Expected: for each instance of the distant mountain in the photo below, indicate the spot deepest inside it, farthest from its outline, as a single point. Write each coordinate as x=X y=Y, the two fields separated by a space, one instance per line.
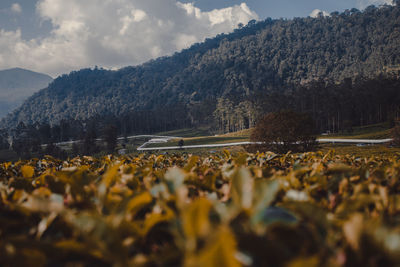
x=227 y=80
x=16 y=85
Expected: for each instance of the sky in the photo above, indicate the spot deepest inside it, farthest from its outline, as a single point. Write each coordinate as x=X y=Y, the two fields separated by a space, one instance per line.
x=58 y=36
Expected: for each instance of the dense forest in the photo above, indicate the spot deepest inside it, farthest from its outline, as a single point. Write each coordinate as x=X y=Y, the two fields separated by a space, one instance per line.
x=343 y=69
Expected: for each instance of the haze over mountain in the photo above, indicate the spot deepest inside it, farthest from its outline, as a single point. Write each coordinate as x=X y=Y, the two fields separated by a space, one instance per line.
x=17 y=84
x=224 y=77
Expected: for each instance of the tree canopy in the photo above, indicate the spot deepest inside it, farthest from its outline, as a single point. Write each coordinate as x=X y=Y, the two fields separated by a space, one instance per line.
x=284 y=131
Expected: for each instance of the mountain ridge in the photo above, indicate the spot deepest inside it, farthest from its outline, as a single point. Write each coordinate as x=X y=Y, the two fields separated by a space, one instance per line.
x=17 y=84
x=259 y=59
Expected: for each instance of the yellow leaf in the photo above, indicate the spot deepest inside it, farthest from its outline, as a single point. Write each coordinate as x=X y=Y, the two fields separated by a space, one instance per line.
x=191 y=163
x=159 y=158
x=353 y=229
x=71 y=245
x=227 y=154
x=45 y=223
x=242 y=188
x=156 y=218
x=220 y=251
x=78 y=247
x=309 y=262
x=19 y=195
x=339 y=168
x=138 y=202
x=42 y=192
x=6 y=165
x=27 y=171
x=383 y=193
x=195 y=218
x=111 y=175
x=241 y=159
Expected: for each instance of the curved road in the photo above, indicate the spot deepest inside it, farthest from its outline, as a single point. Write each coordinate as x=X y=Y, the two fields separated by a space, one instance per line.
x=322 y=140
x=122 y=138
x=163 y=139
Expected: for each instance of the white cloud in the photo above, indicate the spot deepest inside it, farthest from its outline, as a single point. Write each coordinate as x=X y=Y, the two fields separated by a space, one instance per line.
x=114 y=33
x=362 y=4
x=16 y=8
x=317 y=12
x=136 y=15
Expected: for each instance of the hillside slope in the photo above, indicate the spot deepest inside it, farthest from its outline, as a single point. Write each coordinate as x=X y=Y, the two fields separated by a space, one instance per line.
x=16 y=85
x=258 y=59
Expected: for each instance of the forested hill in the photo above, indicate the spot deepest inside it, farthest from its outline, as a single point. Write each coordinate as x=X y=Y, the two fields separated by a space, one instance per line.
x=225 y=76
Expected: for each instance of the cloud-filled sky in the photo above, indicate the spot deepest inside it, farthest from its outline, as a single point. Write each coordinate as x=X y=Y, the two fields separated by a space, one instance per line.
x=57 y=36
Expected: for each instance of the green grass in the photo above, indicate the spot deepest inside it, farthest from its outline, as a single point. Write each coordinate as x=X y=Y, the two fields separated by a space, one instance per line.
x=197 y=151
x=374 y=131
x=201 y=137
x=244 y=133
x=202 y=141
x=189 y=132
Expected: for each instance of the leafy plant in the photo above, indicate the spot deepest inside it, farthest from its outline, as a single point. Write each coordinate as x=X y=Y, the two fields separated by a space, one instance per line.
x=221 y=210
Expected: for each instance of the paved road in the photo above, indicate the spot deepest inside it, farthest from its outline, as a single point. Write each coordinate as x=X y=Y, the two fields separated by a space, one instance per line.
x=163 y=139
x=167 y=138
x=142 y=148
x=355 y=141
x=322 y=140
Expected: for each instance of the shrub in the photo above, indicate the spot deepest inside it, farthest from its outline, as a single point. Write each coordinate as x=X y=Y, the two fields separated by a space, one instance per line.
x=395 y=133
x=284 y=131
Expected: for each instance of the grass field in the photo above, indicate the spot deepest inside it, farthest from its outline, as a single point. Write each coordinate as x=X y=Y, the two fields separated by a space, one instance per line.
x=201 y=141
x=202 y=137
x=375 y=131
x=190 y=132
x=243 y=134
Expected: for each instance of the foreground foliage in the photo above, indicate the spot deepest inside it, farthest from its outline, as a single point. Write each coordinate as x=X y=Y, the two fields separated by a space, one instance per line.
x=221 y=210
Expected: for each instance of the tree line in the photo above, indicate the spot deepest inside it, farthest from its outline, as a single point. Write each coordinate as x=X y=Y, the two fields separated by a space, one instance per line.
x=334 y=106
